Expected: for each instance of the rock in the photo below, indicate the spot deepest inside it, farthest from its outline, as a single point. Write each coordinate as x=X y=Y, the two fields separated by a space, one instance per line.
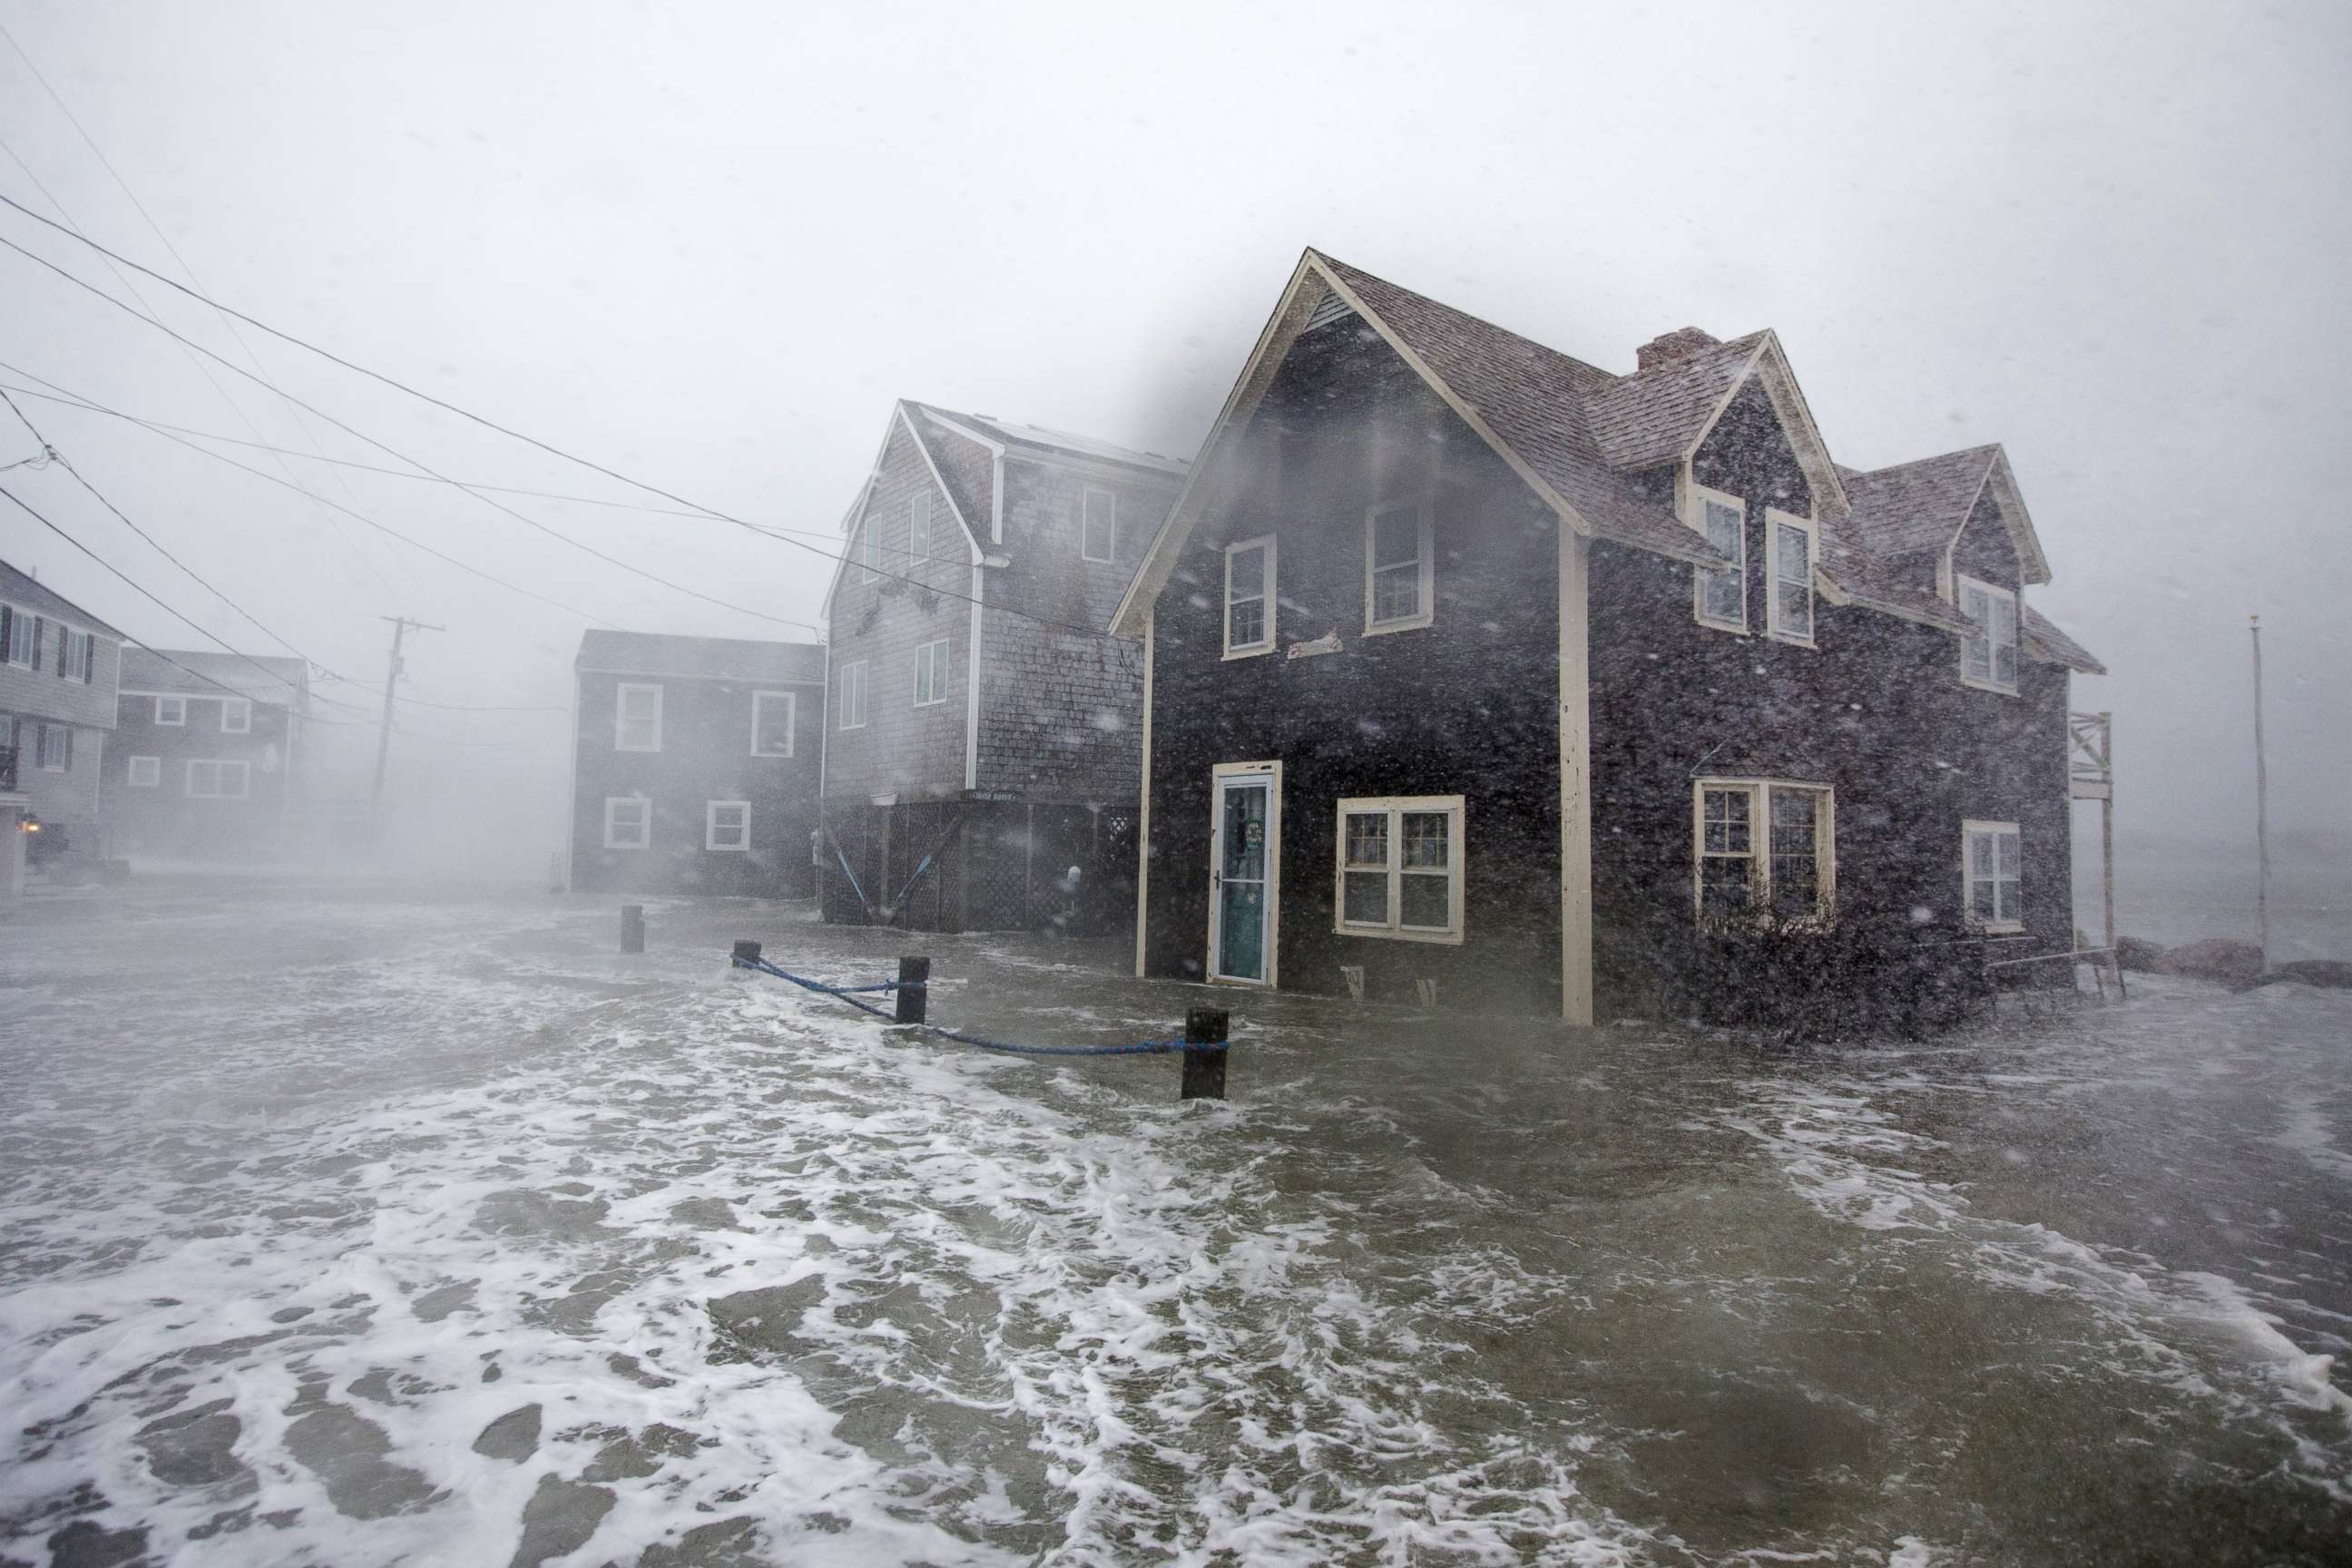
x=2221 y=958
x=2138 y=954
x=2332 y=973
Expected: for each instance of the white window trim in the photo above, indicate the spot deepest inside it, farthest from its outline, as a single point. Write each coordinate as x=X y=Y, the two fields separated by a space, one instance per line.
x=792 y=702
x=1759 y=840
x=1397 y=806
x=19 y=620
x=1264 y=644
x=645 y=821
x=1775 y=520
x=1428 y=568
x=41 y=747
x=1961 y=584
x=178 y=711
x=710 y=810
x=935 y=653
x=1699 y=496
x=1969 y=831
x=150 y=777
x=1086 y=494
x=221 y=766
x=841 y=698
x=242 y=709
x=620 y=711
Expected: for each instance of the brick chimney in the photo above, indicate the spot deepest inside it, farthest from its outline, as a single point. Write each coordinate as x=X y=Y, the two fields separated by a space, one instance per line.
x=1678 y=345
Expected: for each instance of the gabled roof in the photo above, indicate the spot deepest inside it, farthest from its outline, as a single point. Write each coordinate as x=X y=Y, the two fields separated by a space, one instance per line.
x=1039 y=438
x=1922 y=505
x=2041 y=639
x=1657 y=415
x=272 y=682
x=700 y=658
x=22 y=588
x=1853 y=575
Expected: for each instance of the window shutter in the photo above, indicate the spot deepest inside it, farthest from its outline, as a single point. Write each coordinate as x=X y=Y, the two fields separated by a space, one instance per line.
x=7 y=625
x=68 y=748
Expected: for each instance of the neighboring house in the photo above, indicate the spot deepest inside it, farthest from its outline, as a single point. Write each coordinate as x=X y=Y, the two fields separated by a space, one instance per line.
x=58 y=665
x=1473 y=664
x=982 y=740
x=206 y=757
x=695 y=764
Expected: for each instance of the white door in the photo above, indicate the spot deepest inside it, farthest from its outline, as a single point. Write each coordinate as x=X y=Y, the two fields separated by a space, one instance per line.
x=1244 y=876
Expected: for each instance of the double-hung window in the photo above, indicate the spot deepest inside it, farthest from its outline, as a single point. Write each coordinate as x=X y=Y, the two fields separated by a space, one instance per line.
x=57 y=748
x=1723 y=595
x=628 y=821
x=146 y=772
x=1762 y=844
x=1790 y=616
x=931 y=673
x=1991 y=864
x=1399 y=867
x=1989 y=654
x=1098 y=525
x=1249 y=597
x=773 y=715
x=852 y=702
x=1399 y=566
x=637 y=718
x=727 y=824
x=210 y=780
x=77 y=654
x=918 y=528
x=236 y=716
x=170 y=711
x=18 y=636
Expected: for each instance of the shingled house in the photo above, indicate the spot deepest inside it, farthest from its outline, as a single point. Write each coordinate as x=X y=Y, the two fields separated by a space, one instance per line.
x=982 y=766
x=1474 y=665
x=57 y=664
x=207 y=748
x=695 y=764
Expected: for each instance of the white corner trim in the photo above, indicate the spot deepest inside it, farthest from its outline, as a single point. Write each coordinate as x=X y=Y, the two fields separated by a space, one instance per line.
x=1143 y=821
x=971 y=675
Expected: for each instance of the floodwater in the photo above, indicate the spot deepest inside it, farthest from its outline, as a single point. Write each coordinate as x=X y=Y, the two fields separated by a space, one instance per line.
x=342 y=1227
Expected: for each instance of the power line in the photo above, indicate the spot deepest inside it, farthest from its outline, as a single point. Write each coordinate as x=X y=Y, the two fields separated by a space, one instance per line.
x=503 y=430
x=70 y=399
x=526 y=521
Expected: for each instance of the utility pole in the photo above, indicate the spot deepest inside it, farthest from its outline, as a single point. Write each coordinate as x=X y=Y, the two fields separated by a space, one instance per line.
x=400 y=626
x=2262 y=810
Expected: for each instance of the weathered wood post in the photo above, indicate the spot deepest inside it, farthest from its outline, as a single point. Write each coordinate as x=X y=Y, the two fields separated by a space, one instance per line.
x=633 y=928
x=1204 y=1053
x=746 y=952
x=914 y=992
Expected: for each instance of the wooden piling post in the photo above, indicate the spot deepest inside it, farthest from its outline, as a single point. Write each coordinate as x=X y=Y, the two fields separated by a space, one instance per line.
x=633 y=928
x=746 y=952
x=1204 y=1069
x=914 y=992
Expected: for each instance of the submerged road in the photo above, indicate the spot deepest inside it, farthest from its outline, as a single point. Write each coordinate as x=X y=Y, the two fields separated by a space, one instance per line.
x=342 y=1226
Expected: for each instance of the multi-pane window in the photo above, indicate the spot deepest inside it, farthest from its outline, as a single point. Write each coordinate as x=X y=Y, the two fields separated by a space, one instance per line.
x=218 y=780
x=1401 y=868
x=1993 y=864
x=773 y=714
x=1761 y=844
x=146 y=772
x=637 y=718
x=853 y=695
x=1399 y=563
x=236 y=716
x=1723 y=595
x=1791 y=610
x=918 y=527
x=1098 y=525
x=727 y=824
x=56 y=743
x=1249 y=596
x=170 y=710
x=629 y=822
x=931 y=673
x=1989 y=654
x=19 y=633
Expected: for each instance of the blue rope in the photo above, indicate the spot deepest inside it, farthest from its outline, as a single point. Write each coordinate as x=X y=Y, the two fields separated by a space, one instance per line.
x=848 y=994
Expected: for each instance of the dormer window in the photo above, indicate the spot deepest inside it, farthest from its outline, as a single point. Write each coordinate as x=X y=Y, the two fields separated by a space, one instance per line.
x=1989 y=654
x=1722 y=596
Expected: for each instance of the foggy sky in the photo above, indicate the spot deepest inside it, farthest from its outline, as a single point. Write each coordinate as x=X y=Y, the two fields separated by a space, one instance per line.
x=710 y=248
